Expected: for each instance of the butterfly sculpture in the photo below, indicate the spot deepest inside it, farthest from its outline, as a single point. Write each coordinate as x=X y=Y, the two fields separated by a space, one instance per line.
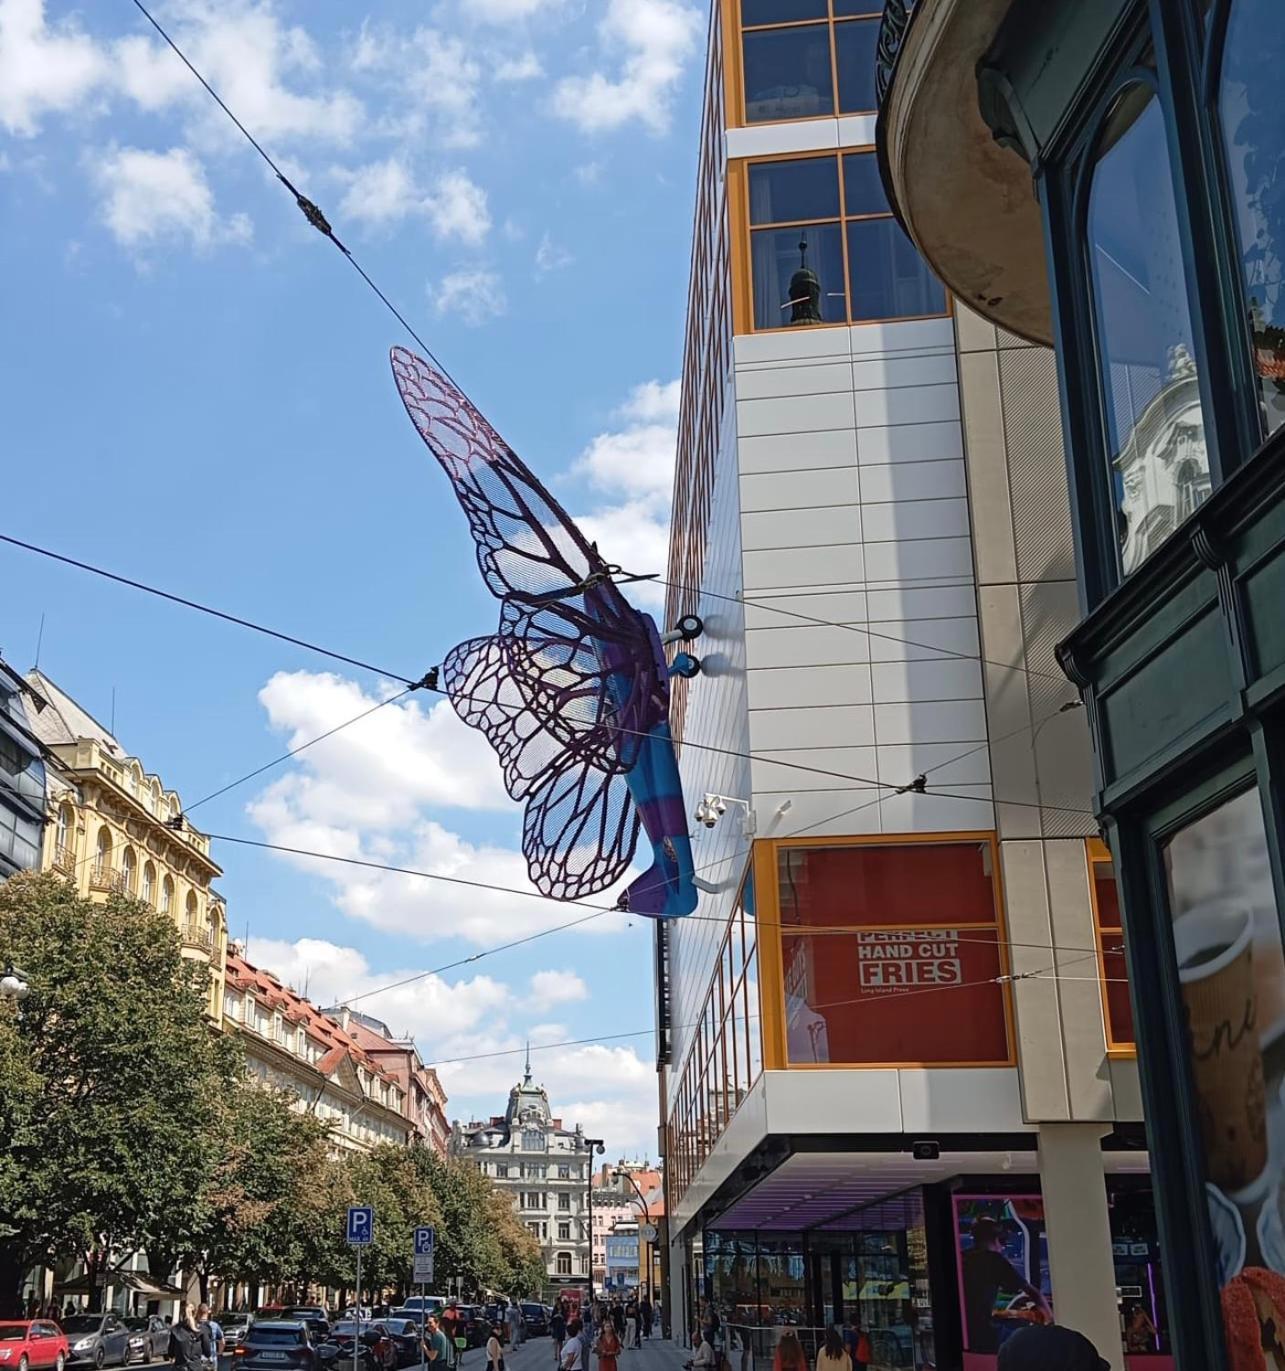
x=572 y=691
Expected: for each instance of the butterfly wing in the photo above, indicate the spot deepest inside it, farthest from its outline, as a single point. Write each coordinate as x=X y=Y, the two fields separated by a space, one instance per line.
x=527 y=547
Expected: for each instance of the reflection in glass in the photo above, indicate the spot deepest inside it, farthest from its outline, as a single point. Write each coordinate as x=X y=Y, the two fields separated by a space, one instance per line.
x=787 y=73
x=889 y=278
x=854 y=51
x=777 y=256
x=781 y=11
x=1253 y=126
x=1155 y=428
x=863 y=191
x=1231 y=974
x=788 y=192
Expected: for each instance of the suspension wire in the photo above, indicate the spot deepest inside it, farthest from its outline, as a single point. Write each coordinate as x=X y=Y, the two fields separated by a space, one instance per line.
x=310 y=210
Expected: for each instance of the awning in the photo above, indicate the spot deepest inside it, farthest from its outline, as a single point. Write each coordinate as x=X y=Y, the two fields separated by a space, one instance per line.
x=130 y=1280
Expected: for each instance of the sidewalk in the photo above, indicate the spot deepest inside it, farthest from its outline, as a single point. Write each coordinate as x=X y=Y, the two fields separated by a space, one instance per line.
x=536 y=1354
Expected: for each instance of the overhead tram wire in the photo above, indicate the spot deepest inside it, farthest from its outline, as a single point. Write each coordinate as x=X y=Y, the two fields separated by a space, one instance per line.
x=429 y=681
x=310 y=210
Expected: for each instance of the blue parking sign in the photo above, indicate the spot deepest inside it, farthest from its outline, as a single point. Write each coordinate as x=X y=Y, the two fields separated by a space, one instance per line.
x=361 y=1224
x=425 y=1240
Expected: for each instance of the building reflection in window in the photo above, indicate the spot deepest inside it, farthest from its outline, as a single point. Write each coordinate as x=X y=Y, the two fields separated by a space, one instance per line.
x=1155 y=426
x=1253 y=128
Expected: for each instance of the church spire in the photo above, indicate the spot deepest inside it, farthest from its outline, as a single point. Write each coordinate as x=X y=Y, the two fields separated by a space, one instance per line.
x=526 y=1080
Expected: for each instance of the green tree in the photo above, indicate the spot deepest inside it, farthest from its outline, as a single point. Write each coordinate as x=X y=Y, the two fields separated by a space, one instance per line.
x=113 y=1079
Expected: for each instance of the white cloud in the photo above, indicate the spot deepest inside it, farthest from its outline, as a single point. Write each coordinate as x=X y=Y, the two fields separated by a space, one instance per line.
x=635 y=464
x=457 y=208
x=254 y=61
x=506 y=11
x=648 y=42
x=44 y=68
x=149 y=198
x=473 y=294
x=556 y=987
x=438 y=77
x=551 y=256
x=380 y=193
x=523 y=68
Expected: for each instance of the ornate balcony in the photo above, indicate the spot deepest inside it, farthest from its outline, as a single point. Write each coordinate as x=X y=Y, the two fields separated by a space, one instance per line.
x=196 y=937
x=106 y=878
x=892 y=29
x=64 y=860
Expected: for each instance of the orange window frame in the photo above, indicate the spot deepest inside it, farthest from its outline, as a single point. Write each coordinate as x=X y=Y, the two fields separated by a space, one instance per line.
x=772 y=933
x=1097 y=853
x=733 y=38
x=738 y=209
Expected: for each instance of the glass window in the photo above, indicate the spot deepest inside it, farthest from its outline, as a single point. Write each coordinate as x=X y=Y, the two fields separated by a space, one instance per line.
x=801 y=190
x=787 y=73
x=798 y=276
x=1110 y=934
x=780 y=11
x=1154 y=424
x=863 y=191
x=849 y=7
x=854 y=52
x=1253 y=130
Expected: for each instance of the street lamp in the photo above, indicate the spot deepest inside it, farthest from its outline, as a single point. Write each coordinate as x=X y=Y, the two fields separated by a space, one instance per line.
x=13 y=986
x=592 y=1144
x=645 y=1247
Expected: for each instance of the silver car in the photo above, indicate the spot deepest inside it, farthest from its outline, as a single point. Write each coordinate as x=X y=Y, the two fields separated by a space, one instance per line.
x=96 y=1339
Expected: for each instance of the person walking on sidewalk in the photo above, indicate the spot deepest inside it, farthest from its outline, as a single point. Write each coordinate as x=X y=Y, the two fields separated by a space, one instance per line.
x=572 y=1358
x=833 y=1355
x=608 y=1348
x=189 y=1345
x=631 y=1324
x=494 y=1353
x=217 y=1341
x=557 y=1331
x=644 y=1313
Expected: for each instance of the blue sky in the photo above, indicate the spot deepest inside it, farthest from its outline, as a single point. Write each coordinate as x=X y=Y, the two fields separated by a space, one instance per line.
x=196 y=394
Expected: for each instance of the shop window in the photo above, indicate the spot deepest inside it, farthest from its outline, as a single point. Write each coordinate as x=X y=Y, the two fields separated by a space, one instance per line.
x=1105 y=896
x=897 y=955
x=1253 y=132
x=1231 y=979
x=826 y=250
x=1159 y=467
x=805 y=59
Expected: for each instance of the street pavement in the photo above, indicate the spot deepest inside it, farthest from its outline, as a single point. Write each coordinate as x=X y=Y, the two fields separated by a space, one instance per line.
x=536 y=1354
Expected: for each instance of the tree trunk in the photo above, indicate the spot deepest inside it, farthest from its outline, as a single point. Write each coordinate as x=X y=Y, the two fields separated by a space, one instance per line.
x=12 y=1269
x=94 y=1260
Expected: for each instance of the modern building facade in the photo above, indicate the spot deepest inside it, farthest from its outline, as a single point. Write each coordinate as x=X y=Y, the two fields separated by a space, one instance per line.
x=546 y=1169
x=895 y=1038
x=1102 y=178
x=423 y=1098
x=293 y=1046
x=22 y=779
x=114 y=827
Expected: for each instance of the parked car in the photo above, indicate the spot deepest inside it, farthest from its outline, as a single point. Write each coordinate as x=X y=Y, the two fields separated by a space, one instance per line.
x=430 y=1304
x=404 y=1336
x=275 y=1344
x=31 y=1343
x=97 y=1339
x=381 y=1349
x=314 y=1315
x=149 y=1337
x=234 y=1327
x=535 y=1319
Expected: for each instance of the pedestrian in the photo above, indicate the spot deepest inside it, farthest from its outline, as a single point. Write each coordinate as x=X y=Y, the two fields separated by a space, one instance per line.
x=218 y=1343
x=514 y=1316
x=618 y=1318
x=557 y=1331
x=190 y=1345
x=1050 y=1347
x=857 y=1343
x=494 y=1353
x=451 y=1329
x=789 y=1354
x=608 y=1348
x=986 y=1271
x=435 y=1345
x=572 y=1358
x=631 y=1324
x=644 y=1311
x=706 y=1359
x=833 y=1355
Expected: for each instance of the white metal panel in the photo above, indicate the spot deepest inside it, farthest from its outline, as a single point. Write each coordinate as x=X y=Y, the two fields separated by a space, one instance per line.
x=834 y=1102
x=934 y=813
x=945 y=679
x=857 y=130
x=913 y=480
x=945 y=721
x=910 y=442
x=792 y=345
x=782 y=770
x=976 y=1100
x=800 y=489
x=918 y=559
x=946 y=764
x=895 y=522
x=814 y=378
x=821 y=813
x=764 y=610
x=805 y=686
x=804 y=566
x=795 y=414
x=799 y=135
x=906 y=405
x=801 y=528
x=913 y=602
x=799 y=451
x=904 y=369
x=918 y=640
x=901 y=335
x=806 y=645
x=817 y=726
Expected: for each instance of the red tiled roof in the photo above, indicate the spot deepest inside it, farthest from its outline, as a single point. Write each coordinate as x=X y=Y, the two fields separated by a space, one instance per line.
x=321 y=1028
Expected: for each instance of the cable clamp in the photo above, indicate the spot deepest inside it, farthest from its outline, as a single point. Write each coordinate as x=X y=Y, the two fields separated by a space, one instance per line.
x=175 y=824
x=918 y=786
x=428 y=681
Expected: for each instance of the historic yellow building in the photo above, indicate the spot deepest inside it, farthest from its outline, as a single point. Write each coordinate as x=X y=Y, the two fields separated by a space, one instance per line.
x=112 y=827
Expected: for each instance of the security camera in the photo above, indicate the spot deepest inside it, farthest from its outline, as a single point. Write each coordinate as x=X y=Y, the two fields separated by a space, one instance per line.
x=601 y=1148
x=705 y=814
x=720 y=806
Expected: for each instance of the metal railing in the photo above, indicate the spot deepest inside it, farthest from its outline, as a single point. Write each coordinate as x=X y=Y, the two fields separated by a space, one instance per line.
x=195 y=936
x=64 y=858
x=892 y=32
x=753 y=1348
x=104 y=877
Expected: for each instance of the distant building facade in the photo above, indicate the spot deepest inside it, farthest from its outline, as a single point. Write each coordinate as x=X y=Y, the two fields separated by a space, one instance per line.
x=423 y=1098
x=114 y=827
x=292 y=1045
x=545 y=1168
x=22 y=779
